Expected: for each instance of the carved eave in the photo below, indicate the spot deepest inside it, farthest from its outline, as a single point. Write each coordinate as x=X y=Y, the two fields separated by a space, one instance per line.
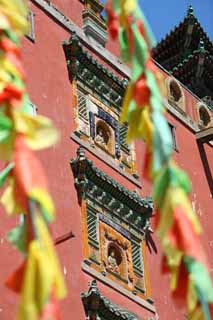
x=82 y=66
x=94 y=184
x=97 y=306
x=196 y=72
x=181 y=41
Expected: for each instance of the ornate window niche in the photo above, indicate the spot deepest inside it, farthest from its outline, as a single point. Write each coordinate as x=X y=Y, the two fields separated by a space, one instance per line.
x=116 y=255
x=98 y=95
x=175 y=94
x=204 y=116
x=104 y=137
x=115 y=224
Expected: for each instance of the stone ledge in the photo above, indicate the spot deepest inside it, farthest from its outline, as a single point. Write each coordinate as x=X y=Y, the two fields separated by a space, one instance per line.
x=105 y=159
x=186 y=120
x=143 y=303
x=69 y=25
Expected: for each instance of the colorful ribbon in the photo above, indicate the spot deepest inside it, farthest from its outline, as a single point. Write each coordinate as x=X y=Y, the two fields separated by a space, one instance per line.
x=177 y=225
x=27 y=191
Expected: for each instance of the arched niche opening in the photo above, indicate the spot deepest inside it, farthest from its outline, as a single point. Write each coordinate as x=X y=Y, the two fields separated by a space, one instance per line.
x=116 y=260
x=103 y=136
x=204 y=116
x=175 y=93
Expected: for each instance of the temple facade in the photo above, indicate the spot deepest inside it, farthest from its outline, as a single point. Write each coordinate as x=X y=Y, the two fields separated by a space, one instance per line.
x=104 y=234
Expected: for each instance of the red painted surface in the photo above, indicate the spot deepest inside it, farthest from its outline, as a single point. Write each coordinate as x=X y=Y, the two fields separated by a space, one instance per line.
x=50 y=90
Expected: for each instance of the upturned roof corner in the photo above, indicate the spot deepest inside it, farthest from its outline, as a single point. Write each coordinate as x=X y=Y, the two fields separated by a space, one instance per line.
x=187 y=53
x=97 y=306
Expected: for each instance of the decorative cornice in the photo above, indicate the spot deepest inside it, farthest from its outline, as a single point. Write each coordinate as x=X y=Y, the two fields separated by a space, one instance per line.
x=93 y=183
x=96 y=305
x=81 y=65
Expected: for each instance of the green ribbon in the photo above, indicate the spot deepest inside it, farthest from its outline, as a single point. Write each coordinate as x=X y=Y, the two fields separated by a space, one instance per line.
x=4 y=173
x=6 y=126
x=18 y=237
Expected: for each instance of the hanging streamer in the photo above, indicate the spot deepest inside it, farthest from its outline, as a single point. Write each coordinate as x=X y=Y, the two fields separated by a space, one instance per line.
x=26 y=193
x=178 y=227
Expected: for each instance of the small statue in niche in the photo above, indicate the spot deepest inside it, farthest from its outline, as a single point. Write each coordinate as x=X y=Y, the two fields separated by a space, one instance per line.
x=101 y=137
x=112 y=262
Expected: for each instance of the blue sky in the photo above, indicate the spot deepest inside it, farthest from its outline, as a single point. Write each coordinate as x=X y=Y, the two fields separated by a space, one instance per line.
x=164 y=15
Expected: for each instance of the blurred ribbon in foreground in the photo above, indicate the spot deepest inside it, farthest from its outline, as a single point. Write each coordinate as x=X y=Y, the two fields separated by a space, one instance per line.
x=38 y=280
x=178 y=227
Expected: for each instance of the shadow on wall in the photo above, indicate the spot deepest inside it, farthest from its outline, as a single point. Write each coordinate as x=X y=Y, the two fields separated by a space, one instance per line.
x=206 y=166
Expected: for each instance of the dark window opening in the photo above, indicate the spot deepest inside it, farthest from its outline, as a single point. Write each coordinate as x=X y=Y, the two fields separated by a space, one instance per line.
x=102 y=133
x=204 y=116
x=31 y=21
x=175 y=91
x=174 y=137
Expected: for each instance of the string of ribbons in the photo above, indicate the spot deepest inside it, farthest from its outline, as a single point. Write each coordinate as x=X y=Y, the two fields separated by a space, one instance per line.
x=143 y=109
x=38 y=280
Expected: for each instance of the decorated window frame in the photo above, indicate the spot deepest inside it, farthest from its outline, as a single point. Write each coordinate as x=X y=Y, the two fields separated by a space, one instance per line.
x=115 y=226
x=97 y=95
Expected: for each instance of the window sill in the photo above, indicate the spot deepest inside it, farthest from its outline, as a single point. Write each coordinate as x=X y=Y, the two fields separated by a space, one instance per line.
x=147 y=304
x=106 y=159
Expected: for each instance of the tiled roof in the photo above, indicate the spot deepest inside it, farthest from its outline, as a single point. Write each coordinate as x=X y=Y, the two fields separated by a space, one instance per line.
x=96 y=305
x=181 y=41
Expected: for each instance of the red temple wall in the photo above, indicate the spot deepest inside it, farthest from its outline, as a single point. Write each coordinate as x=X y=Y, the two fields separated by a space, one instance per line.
x=189 y=159
x=50 y=90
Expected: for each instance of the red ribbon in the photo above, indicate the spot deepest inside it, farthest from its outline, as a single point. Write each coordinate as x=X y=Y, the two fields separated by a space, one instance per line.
x=15 y=280
x=28 y=172
x=113 y=21
x=141 y=92
x=183 y=236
